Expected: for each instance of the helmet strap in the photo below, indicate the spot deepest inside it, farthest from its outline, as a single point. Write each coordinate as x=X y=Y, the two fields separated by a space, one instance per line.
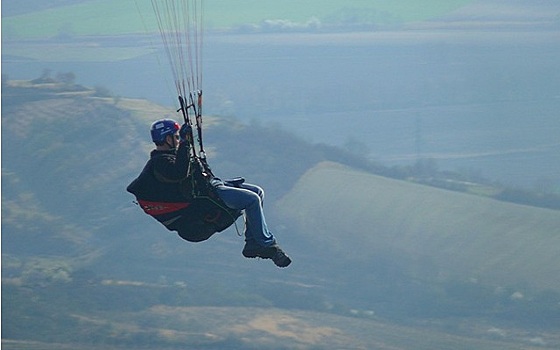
x=171 y=145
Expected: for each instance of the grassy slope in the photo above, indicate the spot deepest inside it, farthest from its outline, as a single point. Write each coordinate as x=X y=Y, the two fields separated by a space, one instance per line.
x=443 y=235
x=107 y=17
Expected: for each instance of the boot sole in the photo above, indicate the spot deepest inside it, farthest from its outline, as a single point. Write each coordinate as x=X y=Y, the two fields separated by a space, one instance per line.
x=283 y=261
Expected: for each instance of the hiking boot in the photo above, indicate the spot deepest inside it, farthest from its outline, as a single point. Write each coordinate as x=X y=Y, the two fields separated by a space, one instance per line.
x=273 y=252
x=280 y=259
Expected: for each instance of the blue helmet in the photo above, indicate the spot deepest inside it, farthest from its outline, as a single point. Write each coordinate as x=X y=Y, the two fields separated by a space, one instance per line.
x=163 y=127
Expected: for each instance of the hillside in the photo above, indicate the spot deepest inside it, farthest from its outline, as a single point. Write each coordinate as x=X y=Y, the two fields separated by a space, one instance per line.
x=438 y=235
x=84 y=268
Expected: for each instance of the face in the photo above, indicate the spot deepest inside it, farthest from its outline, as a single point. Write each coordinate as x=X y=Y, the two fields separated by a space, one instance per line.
x=173 y=140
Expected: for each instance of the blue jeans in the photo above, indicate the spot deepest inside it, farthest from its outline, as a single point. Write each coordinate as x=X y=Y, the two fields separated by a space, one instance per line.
x=249 y=198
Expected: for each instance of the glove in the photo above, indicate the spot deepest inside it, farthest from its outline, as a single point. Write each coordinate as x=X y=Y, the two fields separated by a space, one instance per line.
x=185 y=132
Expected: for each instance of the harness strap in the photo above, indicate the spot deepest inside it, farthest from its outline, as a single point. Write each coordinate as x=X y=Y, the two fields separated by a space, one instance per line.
x=160 y=208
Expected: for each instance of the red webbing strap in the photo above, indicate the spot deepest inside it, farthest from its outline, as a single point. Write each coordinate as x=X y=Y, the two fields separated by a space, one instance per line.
x=160 y=208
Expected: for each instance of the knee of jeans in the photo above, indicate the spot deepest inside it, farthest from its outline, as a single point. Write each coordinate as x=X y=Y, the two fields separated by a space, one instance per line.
x=258 y=198
x=260 y=193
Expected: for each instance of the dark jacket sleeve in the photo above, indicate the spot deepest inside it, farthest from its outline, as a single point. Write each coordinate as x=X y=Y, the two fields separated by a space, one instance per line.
x=173 y=167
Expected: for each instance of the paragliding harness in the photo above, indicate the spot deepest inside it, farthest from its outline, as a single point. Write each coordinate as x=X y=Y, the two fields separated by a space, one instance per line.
x=201 y=212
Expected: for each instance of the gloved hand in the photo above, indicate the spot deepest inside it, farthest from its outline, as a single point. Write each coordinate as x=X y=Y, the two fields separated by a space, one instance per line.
x=185 y=133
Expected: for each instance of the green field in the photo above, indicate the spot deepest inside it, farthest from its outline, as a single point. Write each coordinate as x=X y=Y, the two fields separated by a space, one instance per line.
x=446 y=235
x=107 y=17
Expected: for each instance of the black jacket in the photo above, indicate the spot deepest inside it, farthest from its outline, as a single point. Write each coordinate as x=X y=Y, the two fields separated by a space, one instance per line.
x=163 y=184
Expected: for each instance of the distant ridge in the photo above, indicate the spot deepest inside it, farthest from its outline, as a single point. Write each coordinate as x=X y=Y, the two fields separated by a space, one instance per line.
x=502 y=14
x=441 y=235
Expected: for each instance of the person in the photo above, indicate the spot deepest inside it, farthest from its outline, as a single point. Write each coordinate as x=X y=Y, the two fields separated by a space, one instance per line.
x=164 y=181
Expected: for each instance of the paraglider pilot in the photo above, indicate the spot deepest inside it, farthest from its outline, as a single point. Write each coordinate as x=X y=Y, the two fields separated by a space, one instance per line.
x=160 y=191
